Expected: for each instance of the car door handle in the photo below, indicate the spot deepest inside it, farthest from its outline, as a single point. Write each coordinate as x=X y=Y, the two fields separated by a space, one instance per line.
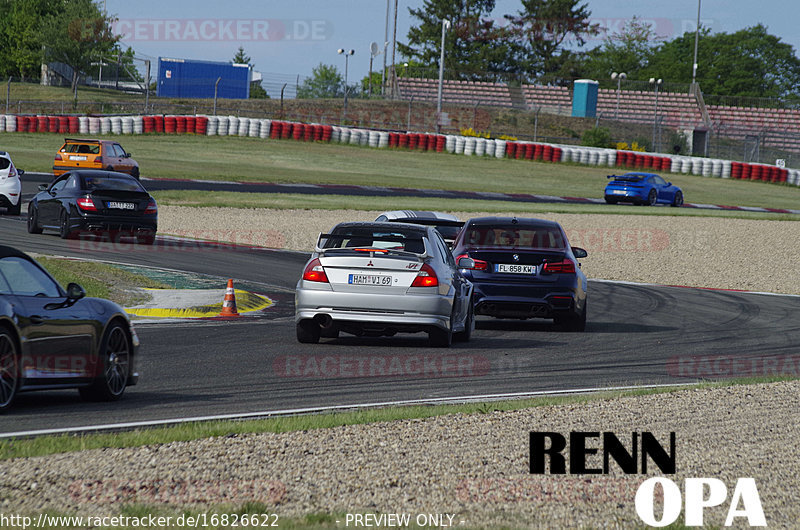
x=36 y=319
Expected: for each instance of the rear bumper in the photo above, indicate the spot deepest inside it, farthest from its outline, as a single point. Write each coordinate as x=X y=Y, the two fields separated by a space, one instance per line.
x=533 y=302
x=135 y=225
x=9 y=200
x=410 y=312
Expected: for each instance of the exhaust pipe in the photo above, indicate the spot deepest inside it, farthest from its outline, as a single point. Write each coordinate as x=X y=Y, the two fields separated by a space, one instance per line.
x=324 y=321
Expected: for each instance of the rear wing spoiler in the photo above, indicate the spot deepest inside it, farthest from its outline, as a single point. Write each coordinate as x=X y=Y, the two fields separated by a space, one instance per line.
x=322 y=238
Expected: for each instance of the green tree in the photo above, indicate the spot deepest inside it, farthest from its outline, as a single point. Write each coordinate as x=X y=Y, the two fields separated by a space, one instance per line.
x=630 y=51
x=542 y=28
x=376 y=84
x=241 y=57
x=325 y=82
x=475 y=47
x=77 y=36
x=20 y=35
x=748 y=62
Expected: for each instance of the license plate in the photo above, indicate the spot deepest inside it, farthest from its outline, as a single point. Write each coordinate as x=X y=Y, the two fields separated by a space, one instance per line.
x=76 y=157
x=509 y=268
x=121 y=205
x=619 y=192
x=369 y=279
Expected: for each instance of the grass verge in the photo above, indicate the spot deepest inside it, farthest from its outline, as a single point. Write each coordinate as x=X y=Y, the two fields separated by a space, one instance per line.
x=287 y=161
x=101 y=280
x=48 y=445
x=283 y=201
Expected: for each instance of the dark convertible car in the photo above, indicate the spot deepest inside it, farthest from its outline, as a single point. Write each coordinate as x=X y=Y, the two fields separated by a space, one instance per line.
x=524 y=268
x=94 y=201
x=51 y=338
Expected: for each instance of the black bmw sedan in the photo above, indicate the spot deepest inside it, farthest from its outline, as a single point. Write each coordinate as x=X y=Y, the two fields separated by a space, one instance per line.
x=51 y=338
x=94 y=201
x=524 y=268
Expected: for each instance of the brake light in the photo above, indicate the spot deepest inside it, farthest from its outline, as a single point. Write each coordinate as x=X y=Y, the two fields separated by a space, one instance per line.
x=98 y=160
x=58 y=158
x=152 y=207
x=426 y=277
x=12 y=172
x=86 y=204
x=567 y=266
x=480 y=265
x=314 y=272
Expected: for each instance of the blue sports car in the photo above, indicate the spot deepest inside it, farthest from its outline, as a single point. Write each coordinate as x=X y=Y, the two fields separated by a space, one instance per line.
x=642 y=188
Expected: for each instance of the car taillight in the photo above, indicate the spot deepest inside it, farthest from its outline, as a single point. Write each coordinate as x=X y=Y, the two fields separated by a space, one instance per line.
x=152 y=207
x=12 y=172
x=58 y=158
x=86 y=204
x=314 y=272
x=426 y=277
x=567 y=266
x=480 y=265
x=98 y=160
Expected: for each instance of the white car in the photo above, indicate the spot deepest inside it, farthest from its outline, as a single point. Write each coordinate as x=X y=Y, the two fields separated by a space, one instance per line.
x=10 y=186
x=378 y=279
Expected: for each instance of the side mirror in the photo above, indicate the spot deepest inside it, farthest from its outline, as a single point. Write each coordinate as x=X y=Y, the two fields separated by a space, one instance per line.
x=20 y=172
x=466 y=263
x=127 y=155
x=579 y=252
x=42 y=187
x=669 y=183
x=75 y=291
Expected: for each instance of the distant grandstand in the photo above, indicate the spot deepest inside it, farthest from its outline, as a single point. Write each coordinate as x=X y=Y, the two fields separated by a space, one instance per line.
x=778 y=128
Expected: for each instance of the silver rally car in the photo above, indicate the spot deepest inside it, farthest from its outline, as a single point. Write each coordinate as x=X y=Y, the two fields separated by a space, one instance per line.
x=378 y=279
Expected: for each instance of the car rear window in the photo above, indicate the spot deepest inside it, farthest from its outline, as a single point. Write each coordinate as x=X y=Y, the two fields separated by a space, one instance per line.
x=629 y=178
x=382 y=238
x=88 y=149
x=515 y=236
x=111 y=183
x=4 y=163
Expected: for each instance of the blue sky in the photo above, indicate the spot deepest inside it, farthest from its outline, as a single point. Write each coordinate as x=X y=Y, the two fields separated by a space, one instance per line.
x=290 y=38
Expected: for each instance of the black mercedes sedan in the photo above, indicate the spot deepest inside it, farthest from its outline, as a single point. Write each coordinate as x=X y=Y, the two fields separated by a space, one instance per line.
x=51 y=338
x=94 y=201
x=524 y=268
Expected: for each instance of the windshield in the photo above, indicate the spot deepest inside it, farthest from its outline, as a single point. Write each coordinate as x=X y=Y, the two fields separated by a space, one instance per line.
x=515 y=236
x=354 y=238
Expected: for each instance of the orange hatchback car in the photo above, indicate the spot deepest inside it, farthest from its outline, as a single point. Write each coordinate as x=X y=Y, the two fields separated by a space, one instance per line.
x=94 y=154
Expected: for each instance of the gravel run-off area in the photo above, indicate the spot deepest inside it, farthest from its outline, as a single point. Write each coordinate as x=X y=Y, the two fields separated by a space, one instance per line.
x=693 y=251
x=474 y=466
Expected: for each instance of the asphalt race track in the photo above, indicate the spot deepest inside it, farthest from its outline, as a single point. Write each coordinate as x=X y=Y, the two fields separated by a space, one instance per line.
x=636 y=334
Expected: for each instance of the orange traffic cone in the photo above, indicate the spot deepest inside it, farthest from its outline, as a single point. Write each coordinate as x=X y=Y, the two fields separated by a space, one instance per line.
x=229 y=304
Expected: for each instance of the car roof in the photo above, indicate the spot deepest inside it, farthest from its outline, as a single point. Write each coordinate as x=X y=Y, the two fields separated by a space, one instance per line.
x=3 y=153
x=386 y=226
x=99 y=173
x=638 y=174
x=85 y=140
x=521 y=221
x=7 y=252
x=418 y=214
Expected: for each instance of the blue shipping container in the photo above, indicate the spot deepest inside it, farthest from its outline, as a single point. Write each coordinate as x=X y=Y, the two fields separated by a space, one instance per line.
x=185 y=78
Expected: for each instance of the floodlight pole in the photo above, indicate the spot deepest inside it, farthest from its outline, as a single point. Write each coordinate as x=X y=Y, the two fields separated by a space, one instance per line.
x=445 y=25
x=656 y=83
x=619 y=77
x=696 y=39
x=347 y=54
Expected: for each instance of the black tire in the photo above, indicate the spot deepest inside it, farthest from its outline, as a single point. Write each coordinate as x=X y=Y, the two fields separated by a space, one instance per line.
x=146 y=240
x=15 y=210
x=308 y=332
x=33 y=220
x=573 y=322
x=64 y=229
x=329 y=333
x=441 y=338
x=469 y=325
x=135 y=173
x=652 y=198
x=677 y=201
x=114 y=362
x=9 y=369
x=611 y=201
